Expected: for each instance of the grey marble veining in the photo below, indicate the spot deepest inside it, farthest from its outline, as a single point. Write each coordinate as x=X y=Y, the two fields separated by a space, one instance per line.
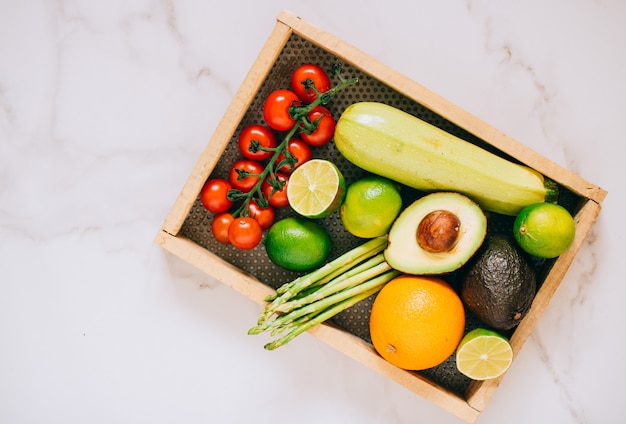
x=104 y=109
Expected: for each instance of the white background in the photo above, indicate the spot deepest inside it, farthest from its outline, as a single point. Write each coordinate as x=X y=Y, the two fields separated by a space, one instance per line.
x=105 y=107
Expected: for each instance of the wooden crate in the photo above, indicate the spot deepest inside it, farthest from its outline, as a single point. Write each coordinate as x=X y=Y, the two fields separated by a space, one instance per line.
x=186 y=230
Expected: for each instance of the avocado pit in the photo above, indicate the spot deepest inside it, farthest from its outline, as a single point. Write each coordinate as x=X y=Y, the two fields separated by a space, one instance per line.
x=439 y=231
x=436 y=234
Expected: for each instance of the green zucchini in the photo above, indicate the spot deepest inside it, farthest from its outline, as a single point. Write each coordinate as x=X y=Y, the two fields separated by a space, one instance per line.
x=389 y=142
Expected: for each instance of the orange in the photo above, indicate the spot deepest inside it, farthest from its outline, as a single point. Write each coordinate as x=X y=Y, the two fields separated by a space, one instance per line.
x=416 y=322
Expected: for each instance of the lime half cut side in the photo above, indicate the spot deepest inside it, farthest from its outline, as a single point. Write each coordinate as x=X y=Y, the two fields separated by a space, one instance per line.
x=483 y=354
x=316 y=189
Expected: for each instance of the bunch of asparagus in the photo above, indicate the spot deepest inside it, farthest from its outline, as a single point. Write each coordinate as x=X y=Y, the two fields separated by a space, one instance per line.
x=315 y=297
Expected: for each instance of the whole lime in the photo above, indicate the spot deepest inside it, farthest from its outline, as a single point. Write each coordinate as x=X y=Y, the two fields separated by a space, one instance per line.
x=297 y=244
x=371 y=205
x=545 y=230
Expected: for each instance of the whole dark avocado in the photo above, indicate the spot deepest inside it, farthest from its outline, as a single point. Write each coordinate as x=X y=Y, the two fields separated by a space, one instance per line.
x=500 y=283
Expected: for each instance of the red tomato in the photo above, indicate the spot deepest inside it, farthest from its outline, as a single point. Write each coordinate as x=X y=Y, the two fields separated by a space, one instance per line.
x=253 y=137
x=239 y=177
x=279 y=198
x=220 y=225
x=265 y=216
x=214 y=195
x=245 y=233
x=299 y=150
x=276 y=109
x=325 y=127
x=311 y=72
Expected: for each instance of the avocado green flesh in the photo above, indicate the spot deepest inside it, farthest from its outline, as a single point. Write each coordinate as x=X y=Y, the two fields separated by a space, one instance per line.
x=406 y=255
x=500 y=283
x=389 y=142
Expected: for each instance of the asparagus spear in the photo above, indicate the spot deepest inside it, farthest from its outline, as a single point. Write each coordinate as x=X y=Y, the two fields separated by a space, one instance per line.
x=348 y=259
x=366 y=270
x=335 y=267
x=359 y=286
x=333 y=310
x=294 y=317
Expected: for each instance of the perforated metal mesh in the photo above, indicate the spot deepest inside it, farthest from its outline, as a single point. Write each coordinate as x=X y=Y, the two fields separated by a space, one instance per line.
x=255 y=262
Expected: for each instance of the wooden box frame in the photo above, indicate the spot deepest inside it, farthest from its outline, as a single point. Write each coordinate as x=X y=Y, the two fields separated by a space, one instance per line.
x=466 y=407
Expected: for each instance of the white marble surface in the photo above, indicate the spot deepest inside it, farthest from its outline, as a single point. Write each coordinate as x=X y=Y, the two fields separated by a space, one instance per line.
x=104 y=109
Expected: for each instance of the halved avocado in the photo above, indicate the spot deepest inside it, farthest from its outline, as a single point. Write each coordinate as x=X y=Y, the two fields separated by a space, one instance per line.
x=436 y=234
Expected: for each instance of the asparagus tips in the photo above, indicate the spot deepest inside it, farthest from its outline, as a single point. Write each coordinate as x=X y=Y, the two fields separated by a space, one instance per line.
x=348 y=259
x=313 y=298
x=320 y=276
x=372 y=267
x=320 y=316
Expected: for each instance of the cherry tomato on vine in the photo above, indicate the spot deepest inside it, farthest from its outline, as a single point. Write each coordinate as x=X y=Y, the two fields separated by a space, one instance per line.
x=276 y=109
x=314 y=73
x=246 y=183
x=245 y=233
x=220 y=225
x=325 y=127
x=214 y=195
x=254 y=136
x=300 y=151
x=264 y=216
x=279 y=198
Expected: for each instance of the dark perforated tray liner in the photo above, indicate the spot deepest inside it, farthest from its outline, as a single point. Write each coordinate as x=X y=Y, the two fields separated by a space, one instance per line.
x=355 y=320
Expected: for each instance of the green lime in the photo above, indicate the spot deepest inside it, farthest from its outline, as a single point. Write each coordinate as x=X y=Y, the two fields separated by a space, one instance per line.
x=297 y=244
x=316 y=189
x=483 y=354
x=545 y=230
x=371 y=205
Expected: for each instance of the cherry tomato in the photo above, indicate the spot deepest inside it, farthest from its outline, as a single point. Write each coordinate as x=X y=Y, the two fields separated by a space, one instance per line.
x=253 y=137
x=300 y=151
x=309 y=71
x=279 y=198
x=276 y=109
x=265 y=216
x=245 y=233
x=246 y=183
x=220 y=225
x=214 y=195
x=325 y=127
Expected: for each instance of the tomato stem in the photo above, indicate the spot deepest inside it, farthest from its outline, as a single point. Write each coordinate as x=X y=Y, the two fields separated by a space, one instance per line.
x=299 y=114
x=308 y=126
x=255 y=146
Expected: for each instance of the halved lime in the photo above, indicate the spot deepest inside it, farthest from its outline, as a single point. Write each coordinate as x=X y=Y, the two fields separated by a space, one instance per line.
x=545 y=230
x=483 y=354
x=316 y=189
